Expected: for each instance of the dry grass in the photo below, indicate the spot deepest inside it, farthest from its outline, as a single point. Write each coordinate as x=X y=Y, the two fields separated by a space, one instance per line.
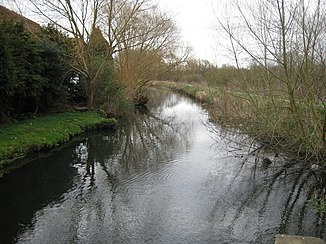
x=271 y=121
x=266 y=118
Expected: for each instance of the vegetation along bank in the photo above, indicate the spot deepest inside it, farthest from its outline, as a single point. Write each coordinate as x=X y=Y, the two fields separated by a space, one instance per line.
x=232 y=108
x=25 y=137
x=266 y=120
x=77 y=62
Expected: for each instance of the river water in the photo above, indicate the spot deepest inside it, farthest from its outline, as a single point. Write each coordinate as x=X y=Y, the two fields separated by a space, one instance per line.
x=166 y=176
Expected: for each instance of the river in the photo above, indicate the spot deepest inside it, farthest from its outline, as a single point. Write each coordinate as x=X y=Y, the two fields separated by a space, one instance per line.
x=167 y=176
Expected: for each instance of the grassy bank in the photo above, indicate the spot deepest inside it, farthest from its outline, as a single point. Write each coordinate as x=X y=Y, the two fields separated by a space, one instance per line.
x=22 y=138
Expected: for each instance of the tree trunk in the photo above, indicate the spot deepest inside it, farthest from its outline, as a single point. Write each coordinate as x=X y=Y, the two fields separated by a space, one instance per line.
x=90 y=96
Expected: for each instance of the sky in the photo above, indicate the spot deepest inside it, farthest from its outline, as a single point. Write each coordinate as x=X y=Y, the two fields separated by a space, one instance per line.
x=197 y=20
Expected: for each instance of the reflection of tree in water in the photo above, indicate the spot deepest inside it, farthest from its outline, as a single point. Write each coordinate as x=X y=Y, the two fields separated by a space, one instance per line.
x=272 y=193
x=119 y=187
x=160 y=100
x=143 y=143
x=276 y=186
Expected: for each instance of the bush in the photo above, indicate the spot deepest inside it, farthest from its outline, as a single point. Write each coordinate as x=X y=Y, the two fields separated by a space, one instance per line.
x=34 y=72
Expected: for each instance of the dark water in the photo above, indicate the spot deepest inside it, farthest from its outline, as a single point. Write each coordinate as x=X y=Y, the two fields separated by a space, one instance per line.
x=167 y=176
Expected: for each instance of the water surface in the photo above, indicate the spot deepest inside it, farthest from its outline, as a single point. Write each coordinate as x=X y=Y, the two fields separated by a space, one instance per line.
x=166 y=176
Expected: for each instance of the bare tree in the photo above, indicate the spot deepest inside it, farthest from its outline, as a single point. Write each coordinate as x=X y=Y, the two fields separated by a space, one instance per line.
x=123 y=24
x=286 y=40
x=149 y=46
x=78 y=18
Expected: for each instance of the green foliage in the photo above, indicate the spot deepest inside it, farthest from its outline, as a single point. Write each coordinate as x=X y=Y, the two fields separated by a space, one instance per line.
x=98 y=67
x=55 y=73
x=115 y=103
x=110 y=96
x=318 y=202
x=56 y=55
x=24 y=84
x=6 y=66
x=30 y=135
x=34 y=71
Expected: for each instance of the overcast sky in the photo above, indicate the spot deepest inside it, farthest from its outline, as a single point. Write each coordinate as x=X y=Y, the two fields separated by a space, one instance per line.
x=196 y=20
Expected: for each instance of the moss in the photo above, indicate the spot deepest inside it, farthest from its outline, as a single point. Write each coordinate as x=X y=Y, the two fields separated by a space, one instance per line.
x=28 y=136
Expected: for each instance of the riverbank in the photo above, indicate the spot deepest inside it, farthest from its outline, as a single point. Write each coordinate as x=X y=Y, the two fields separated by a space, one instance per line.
x=272 y=128
x=167 y=156
x=200 y=93
x=261 y=117
x=25 y=137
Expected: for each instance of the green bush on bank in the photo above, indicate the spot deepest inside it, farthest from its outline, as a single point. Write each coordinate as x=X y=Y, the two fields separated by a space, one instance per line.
x=35 y=72
x=24 y=137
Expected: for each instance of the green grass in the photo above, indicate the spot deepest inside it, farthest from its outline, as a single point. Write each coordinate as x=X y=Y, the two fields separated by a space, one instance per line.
x=22 y=138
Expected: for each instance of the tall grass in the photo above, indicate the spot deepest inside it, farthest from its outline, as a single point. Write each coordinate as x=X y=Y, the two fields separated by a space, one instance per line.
x=266 y=115
x=271 y=119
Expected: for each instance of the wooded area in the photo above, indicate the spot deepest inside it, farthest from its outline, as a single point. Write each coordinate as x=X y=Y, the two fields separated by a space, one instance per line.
x=100 y=53
x=103 y=53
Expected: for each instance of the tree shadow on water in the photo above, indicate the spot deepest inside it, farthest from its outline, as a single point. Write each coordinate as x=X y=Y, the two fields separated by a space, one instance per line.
x=268 y=192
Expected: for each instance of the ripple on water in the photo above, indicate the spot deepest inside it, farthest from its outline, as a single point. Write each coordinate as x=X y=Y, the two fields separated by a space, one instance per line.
x=166 y=177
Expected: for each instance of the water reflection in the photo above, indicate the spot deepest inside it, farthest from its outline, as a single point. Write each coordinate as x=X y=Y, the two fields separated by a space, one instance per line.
x=277 y=190
x=25 y=191
x=143 y=144
x=165 y=176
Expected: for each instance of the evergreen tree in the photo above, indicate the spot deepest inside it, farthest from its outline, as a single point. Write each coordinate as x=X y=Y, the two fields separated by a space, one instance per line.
x=34 y=71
